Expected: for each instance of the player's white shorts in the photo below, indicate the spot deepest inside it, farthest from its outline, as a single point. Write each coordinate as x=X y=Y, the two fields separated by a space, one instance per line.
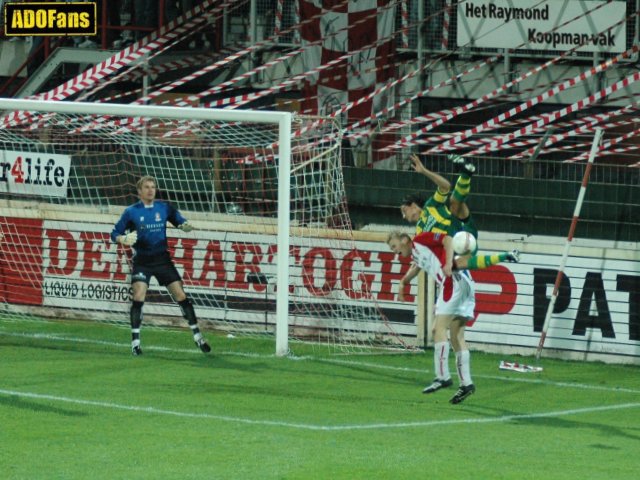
x=459 y=300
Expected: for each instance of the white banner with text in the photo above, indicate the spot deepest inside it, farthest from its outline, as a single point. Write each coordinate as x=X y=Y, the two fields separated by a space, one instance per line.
x=74 y=265
x=31 y=173
x=588 y=26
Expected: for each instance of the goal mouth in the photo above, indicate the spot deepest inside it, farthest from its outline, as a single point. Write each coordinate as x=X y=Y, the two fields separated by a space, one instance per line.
x=226 y=176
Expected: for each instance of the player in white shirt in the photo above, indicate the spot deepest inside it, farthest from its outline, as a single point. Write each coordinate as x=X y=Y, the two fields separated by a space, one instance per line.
x=433 y=253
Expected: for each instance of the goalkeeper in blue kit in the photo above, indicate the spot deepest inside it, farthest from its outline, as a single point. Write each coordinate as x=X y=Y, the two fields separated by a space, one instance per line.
x=143 y=226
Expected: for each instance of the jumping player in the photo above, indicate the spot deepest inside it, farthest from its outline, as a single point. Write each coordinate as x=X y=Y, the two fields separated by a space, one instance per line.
x=447 y=212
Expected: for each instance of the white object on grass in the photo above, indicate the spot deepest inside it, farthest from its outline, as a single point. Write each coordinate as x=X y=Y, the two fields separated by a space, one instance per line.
x=518 y=367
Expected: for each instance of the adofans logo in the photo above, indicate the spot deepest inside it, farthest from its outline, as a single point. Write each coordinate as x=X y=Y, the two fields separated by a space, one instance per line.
x=50 y=19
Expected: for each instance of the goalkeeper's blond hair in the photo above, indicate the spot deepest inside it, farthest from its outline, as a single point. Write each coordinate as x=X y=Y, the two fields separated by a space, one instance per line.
x=146 y=178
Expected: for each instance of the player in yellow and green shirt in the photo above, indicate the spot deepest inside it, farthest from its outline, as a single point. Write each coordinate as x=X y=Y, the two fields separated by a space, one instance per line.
x=447 y=212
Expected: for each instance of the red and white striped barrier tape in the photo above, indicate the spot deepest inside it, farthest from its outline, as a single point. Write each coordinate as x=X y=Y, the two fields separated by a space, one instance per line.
x=423 y=93
x=123 y=58
x=270 y=40
x=170 y=66
x=244 y=76
x=587 y=124
x=398 y=124
x=404 y=18
x=412 y=139
x=348 y=106
x=278 y=17
x=296 y=20
x=199 y=22
x=455 y=143
x=616 y=151
x=240 y=100
x=497 y=142
x=446 y=21
x=590 y=127
x=128 y=93
x=609 y=143
x=231 y=58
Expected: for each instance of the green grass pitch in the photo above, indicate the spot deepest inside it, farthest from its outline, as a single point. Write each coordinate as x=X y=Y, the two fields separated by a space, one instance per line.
x=74 y=404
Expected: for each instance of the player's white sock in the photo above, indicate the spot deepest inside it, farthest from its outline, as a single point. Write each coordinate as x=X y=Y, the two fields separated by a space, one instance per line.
x=463 y=365
x=441 y=360
x=135 y=343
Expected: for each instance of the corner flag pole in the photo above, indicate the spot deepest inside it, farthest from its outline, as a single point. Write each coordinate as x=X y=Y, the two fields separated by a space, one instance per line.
x=576 y=214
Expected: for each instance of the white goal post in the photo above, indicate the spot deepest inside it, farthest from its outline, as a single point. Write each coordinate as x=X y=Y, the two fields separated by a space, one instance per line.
x=267 y=175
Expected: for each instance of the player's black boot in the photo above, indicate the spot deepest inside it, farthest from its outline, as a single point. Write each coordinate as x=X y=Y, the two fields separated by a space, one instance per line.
x=463 y=392
x=513 y=256
x=202 y=344
x=461 y=165
x=437 y=384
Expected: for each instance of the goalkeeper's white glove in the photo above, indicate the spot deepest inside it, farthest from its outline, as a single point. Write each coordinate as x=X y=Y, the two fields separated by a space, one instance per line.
x=187 y=227
x=129 y=239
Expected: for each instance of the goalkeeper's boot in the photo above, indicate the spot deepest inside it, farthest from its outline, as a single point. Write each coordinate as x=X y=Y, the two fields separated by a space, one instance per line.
x=437 y=384
x=202 y=344
x=463 y=392
x=461 y=165
x=136 y=350
x=513 y=256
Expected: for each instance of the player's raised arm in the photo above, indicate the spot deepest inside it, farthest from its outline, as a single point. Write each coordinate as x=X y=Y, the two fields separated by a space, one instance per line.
x=447 y=242
x=444 y=186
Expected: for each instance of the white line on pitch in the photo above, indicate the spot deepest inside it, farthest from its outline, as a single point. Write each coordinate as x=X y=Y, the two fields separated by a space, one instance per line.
x=492 y=377
x=304 y=426
x=91 y=341
x=156 y=348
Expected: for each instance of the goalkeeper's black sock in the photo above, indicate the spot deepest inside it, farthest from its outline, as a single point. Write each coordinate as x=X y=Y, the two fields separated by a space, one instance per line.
x=189 y=314
x=135 y=316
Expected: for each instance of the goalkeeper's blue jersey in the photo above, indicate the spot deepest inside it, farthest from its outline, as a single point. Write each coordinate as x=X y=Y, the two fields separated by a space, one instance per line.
x=151 y=224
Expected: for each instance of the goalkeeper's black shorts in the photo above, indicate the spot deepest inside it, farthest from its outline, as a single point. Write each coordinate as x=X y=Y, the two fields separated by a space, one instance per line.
x=159 y=266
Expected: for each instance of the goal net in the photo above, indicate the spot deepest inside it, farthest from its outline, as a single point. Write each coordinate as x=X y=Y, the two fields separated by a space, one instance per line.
x=254 y=184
